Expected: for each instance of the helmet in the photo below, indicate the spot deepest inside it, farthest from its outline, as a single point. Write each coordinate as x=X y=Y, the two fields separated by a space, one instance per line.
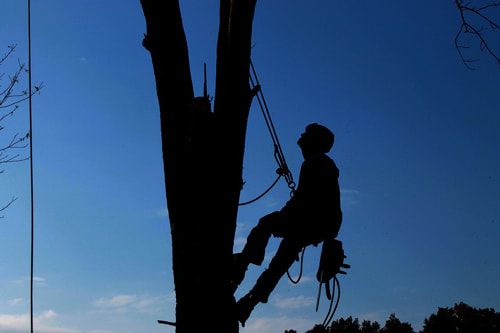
x=317 y=138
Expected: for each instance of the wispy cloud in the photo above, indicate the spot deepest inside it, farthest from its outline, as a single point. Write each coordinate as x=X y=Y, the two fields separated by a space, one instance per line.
x=131 y=302
x=114 y=301
x=349 y=197
x=162 y=212
x=349 y=191
x=271 y=202
x=269 y=256
x=38 y=280
x=44 y=323
x=239 y=243
x=15 y=301
x=304 y=279
x=292 y=302
x=277 y=324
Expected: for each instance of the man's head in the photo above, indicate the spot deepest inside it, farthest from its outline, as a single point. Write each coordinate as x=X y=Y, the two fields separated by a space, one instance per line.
x=316 y=139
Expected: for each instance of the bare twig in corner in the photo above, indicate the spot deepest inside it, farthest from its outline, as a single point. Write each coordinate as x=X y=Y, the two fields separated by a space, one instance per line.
x=477 y=21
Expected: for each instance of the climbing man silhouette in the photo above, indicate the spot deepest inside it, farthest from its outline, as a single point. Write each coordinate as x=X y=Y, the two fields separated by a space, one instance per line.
x=308 y=218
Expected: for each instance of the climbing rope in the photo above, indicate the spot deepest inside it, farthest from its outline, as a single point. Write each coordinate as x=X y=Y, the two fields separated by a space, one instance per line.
x=279 y=156
x=283 y=170
x=262 y=194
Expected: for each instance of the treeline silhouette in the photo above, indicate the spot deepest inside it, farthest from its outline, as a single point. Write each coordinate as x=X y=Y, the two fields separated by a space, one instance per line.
x=461 y=318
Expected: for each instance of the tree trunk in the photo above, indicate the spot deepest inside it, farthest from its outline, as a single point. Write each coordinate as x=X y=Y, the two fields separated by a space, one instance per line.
x=203 y=158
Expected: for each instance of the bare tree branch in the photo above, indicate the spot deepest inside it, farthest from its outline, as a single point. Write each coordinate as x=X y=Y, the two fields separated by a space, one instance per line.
x=11 y=49
x=10 y=99
x=472 y=19
x=7 y=206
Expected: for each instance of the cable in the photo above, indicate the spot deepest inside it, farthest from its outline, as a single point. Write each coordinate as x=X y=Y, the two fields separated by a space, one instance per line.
x=31 y=168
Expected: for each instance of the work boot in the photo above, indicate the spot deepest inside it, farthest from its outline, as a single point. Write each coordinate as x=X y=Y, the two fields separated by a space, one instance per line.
x=238 y=270
x=244 y=307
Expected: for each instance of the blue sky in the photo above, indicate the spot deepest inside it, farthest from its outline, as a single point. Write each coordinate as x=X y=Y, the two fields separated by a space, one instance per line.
x=416 y=144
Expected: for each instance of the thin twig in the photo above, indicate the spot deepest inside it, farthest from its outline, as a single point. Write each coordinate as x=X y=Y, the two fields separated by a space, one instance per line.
x=7 y=206
x=467 y=27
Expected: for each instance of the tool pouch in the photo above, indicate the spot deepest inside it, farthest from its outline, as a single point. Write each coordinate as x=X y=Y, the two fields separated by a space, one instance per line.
x=331 y=262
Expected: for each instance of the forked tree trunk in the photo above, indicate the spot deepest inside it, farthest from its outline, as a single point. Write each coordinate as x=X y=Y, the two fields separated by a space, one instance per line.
x=203 y=158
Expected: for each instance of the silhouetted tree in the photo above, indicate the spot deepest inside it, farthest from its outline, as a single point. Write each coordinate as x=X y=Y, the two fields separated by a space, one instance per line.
x=318 y=329
x=290 y=331
x=10 y=98
x=342 y=325
x=203 y=157
x=394 y=325
x=462 y=318
x=370 y=327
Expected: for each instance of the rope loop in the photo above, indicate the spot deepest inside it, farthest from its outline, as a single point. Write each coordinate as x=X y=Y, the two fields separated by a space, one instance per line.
x=297 y=280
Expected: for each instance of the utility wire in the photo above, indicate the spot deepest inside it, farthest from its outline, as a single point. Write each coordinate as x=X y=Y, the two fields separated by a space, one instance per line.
x=31 y=167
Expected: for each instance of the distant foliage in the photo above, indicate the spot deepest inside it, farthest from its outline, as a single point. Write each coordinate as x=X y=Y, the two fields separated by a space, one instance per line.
x=461 y=318
x=370 y=327
x=348 y=325
x=394 y=325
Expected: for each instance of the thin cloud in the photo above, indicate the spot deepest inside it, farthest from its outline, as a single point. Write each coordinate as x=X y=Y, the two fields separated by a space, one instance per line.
x=49 y=314
x=239 y=243
x=15 y=301
x=162 y=212
x=115 y=301
x=38 y=280
x=20 y=323
x=131 y=302
x=271 y=203
x=349 y=191
x=349 y=197
x=292 y=302
x=277 y=324
x=304 y=279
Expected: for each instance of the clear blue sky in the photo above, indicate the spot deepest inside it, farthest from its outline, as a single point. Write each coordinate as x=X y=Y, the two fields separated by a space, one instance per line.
x=416 y=142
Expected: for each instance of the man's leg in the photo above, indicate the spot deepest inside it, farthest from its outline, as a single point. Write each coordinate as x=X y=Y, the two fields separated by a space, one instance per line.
x=255 y=248
x=287 y=253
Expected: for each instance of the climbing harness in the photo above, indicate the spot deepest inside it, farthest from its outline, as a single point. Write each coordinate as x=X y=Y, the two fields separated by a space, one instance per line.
x=331 y=263
x=279 y=156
